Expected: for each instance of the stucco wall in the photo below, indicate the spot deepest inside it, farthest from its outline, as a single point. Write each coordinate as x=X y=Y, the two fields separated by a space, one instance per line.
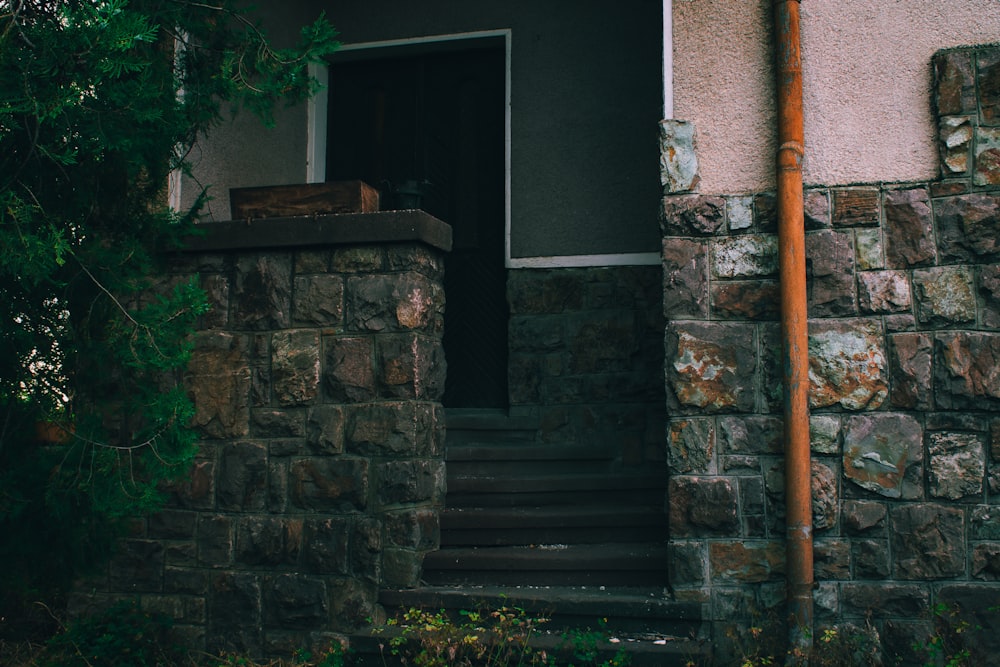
x=867 y=79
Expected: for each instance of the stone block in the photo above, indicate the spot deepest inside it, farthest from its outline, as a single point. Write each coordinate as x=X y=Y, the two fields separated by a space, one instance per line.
x=989 y=291
x=816 y=209
x=216 y=289
x=954 y=84
x=832 y=559
x=685 y=278
x=739 y=213
x=678 y=156
x=968 y=228
x=824 y=434
x=311 y=261
x=415 y=257
x=702 y=506
x=864 y=517
x=691 y=445
x=215 y=540
x=366 y=549
x=746 y=562
x=693 y=215
x=966 y=371
x=825 y=498
x=847 y=364
x=884 y=599
x=868 y=253
x=391 y=303
x=186 y=581
x=262 y=292
x=976 y=605
x=324 y=429
x=332 y=485
x=765 y=212
x=746 y=300
x=172 y=525
x=402 y=568
x=744 y=256
x=883 y=291
x=986 y=561
x=349 y=369
x=268 y=541
x=601 y=342
x=954 y=140
x=357 y=259
x=710 y=367
x=909 y=228
x=688 y=563
x=984 y=523
x=353 y=603
x=830 y=272
x=928 y=541
x=137 y=567
x=392 y=429
x=418 y=529
x=871 y=559
x=410 y=366
x=242 y=483
x=413 y=481
x=196 y=490
x=910 y=356
x=956 y=465
x=545 y=291
x=235 y=613
x=883 y=453
x=945 y=295
x=293 y=601
x=218 y=381
x=278 y=423
x=855 y=207
x=318 y=300
x=325 y=545
x=988 y=79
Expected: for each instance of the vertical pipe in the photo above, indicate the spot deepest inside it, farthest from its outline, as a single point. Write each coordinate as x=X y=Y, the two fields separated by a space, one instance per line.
x=791 y=249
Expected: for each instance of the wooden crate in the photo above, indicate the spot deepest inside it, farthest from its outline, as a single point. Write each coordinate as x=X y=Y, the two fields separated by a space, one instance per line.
x=276 y=201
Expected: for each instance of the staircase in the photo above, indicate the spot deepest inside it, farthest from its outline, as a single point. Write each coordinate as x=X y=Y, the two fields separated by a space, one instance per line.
x=561 y=531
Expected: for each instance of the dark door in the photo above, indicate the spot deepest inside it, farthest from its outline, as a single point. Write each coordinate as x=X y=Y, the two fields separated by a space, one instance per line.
x=437 y=119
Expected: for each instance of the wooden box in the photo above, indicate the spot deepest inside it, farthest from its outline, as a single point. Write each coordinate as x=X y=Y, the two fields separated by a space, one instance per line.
x=277 y=201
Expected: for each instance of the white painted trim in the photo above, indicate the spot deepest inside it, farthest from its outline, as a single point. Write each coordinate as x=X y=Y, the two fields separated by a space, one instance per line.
x=316 y=111
x=668 y=59
x=581 y=261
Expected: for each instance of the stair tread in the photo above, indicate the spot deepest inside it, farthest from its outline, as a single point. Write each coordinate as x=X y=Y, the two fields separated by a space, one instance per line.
x=550 y=516
x=555 y=482
x=517 y=451
x=563 y=557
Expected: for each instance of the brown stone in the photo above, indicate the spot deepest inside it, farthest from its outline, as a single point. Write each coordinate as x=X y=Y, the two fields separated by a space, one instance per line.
x=956 y=465
x=693 y=215
x=218 y=382
x=968 y=228
x=967 y=370
x=847 y=364
x=816 y=209
x=685 y=278
x=262 y=292
x=295 y=368
x=989 y=290
x=701 y=506
x=986 y=561
x=945 y=295
x=395 y=429
x=871 y=559
x=863 y=517
x=830 y=272
x=955 y=135
x=410 y=366
x=853 y=207
x=883 y=291
x=909 y=228
x=746 y=562
x=710 y=367
x=746 y=300
x=318 y=300
x=765 y=214
x=325 y=429
x=751 y=434
x=329 y=484
x=884 y=453
x=928 y=541
x=832 y=559
x=396 y=302
x=691 y=445
x=954 y=86
x=988 y=75
x=949 y=188
x=349 y=369
x=910 y=370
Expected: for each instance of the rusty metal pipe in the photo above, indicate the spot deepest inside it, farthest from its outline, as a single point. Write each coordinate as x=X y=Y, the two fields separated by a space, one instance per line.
x=794 y=329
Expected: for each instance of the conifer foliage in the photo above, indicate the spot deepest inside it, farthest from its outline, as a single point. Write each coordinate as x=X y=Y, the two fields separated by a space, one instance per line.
x=100 y=100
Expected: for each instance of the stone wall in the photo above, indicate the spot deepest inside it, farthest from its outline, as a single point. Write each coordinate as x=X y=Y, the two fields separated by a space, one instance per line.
x=586 y=356
x=904 y=308
x=316 y=378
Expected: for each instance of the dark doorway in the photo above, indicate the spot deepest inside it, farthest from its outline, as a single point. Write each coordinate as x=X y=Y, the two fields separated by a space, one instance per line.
x=438 y=119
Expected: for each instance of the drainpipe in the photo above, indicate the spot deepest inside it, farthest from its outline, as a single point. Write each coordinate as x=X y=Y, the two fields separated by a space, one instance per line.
x=794 y=329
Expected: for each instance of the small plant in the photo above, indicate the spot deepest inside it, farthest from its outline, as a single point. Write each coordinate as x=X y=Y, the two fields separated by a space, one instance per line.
x=334 y=656
x=950 y=644
x=584 y=645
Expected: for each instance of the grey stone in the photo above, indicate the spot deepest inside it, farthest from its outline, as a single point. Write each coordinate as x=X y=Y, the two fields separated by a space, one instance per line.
x=318 y=300
x=928 y=541
x=325 y=546
x=242 y=482
x=710 y=367
x=883 y=291
x=847 y=364
x=885 y=599
x=830 y=271
x=739 y=213
x=218 y=382
x=968 y=228
x=868 y=249
x=745 y=256
x=832 y=559
x=945 y=295
x=414 y=529
x=693 y=215
x=349 y=369
x=986 y=562
x=685 y=278
x=816 y=209
x=863 y=517
x=701 y=506
x=871 y=559
x=397 y=429
x=412 y=481
x=397 y=302
x=954 y=139
x=989 y=290
x=691 y=445
x=956 y=465
x=884 y=453
x=824 y=434
x=325 y=429
x=678 y=156
x=688 y=562
x=909 y=229
x=984 y=523
x=262 y=292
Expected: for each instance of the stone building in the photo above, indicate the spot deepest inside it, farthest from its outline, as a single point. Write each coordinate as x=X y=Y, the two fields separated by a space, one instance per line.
x=577 y=381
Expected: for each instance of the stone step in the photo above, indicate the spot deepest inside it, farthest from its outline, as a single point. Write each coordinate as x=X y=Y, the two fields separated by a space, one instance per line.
x=609 y=564
x=554 y=524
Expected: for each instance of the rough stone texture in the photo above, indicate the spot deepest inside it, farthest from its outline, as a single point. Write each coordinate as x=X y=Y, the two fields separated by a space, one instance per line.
x=295 y=367
x=910 y=370
x=847 y=364
x=702 y=506
x=743 y=562
x=869 y=254
x=864 y=517
x=824 y=434
x=685 y=278
x=816 y=209
x=988 y=80
x=318 y=300
x=746 y=299
x=854 y=207
x=967 y=370
x=218 y=381
x=955 y=86
x=883 y=291
x=909 y=228
x=739 y=213
x=710 y=368
x=751 y=434
x=884 y=453
x=955 y=138
x=989 y=291
x=678 y=156
x=262 y=292
x=928 y=541
x=830 y=270
x=825 y=498
x=691 y=445
x=693 y=215
x=746 y=256
x=945 y=295
x=956 y=465
x=968 y=228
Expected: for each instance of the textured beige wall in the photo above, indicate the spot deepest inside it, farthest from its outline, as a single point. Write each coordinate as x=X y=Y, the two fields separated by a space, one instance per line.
x=867 y=77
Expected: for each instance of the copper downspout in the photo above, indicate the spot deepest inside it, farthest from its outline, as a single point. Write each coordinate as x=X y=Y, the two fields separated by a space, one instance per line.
x=794 y=329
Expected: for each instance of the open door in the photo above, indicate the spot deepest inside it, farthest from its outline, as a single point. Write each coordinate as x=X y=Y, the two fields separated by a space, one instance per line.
x=436 y=119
